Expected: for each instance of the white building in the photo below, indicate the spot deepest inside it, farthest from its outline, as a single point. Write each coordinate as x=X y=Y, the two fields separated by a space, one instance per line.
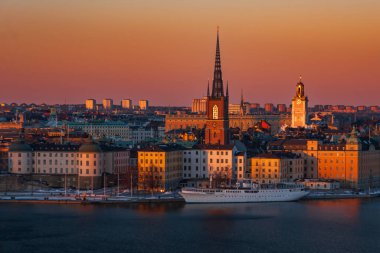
x=121 y=130
x=204 y=161
x=86 y=160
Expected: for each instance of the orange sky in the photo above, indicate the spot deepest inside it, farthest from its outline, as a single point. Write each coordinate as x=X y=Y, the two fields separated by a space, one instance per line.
x=52 y=51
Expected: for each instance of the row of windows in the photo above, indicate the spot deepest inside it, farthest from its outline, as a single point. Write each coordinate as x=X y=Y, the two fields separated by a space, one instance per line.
x=196 y=168
x=263 y=176
x=196 y=175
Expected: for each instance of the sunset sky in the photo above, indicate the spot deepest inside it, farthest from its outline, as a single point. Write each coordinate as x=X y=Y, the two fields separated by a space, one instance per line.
x=55 y=51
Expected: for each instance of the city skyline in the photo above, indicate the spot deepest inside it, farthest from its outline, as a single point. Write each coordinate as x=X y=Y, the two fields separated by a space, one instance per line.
x=149 y=50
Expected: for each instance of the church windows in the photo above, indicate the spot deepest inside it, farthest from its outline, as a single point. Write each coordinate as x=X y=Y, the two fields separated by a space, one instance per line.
x=215 y=112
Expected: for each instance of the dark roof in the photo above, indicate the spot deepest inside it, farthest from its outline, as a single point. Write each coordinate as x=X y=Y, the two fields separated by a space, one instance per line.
x=277 y=155
x=55 y=147
x=20 y=146
x=288 y=144
x=214 y=147
x=163 y=148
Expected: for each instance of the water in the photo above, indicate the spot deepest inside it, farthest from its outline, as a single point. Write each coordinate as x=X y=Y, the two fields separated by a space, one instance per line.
x=308 y=226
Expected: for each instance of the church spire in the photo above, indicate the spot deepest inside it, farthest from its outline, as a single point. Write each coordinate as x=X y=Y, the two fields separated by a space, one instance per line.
x=227 y=90
x=217 y=84
x=208 y=88
x=241 y=98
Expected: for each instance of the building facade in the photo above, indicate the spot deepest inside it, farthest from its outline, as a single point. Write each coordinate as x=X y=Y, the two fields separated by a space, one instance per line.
x=86 y=162
x=299 y=107
x=91 y=104
x=354 y=162
x=107 y=104
x=159 y=167
x=126 y=103
x=199 y=105
x=275 y=168
x=144 y=104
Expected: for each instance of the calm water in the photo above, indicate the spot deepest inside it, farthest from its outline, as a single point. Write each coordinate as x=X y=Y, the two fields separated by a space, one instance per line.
x=310 y=226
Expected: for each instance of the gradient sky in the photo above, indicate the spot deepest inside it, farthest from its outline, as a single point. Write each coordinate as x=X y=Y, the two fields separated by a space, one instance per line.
x=55 y=51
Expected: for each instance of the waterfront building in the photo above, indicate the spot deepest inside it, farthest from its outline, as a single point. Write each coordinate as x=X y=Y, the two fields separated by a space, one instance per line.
x=160 y=167
x=299 y=106
x=107 y=104
x=217 y=161
x=90 y=104
x=316 y=184
x=354 y=162
x=126 y=103
x=275 y=168
x=85 y=162
x=144 y=104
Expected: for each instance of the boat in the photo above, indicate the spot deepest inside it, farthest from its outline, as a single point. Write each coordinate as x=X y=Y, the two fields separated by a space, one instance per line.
x=255 y=193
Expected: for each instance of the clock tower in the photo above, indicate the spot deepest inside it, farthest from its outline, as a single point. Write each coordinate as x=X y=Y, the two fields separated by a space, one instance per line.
x=217 y=125
x=299 y=106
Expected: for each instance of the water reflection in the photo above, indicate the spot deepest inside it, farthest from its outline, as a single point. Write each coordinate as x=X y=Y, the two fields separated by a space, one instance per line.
x=311 y=226
x=348 y=209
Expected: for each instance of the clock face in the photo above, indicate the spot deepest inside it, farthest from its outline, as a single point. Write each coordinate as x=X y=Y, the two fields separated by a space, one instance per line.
x=298 y=101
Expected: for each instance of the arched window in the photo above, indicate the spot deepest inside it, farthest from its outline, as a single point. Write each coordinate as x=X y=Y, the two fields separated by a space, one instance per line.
x=215 y=112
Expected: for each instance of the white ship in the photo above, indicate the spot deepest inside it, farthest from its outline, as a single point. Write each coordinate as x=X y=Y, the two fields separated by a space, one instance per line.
x=244 y=195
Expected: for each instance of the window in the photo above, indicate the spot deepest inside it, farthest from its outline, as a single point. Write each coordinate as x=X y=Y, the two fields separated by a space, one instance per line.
x=215 y=112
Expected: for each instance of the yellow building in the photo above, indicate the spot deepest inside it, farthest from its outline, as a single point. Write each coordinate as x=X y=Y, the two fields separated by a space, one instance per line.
x=275 y=168
x=354 y=162
x=160 y=167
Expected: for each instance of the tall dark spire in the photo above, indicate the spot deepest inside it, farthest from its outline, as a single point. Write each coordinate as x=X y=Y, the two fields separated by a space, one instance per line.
x=217 y=84
x=208 y=88
x=241 y=98
x=227 y=89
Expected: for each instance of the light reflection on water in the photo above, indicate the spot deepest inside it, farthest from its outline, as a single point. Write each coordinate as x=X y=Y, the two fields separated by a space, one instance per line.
x=318 y=226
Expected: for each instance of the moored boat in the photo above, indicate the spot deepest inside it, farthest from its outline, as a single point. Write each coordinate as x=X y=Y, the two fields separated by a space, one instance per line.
x=287 y=192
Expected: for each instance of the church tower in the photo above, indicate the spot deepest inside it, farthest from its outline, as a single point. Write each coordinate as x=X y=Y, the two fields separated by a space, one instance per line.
x=217 y=125
x=299 y=106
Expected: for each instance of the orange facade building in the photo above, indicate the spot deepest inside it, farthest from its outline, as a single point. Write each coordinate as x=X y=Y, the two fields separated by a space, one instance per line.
x=354 y=162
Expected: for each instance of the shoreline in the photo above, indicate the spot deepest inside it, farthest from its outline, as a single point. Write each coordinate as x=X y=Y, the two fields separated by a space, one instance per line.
x=115 y=201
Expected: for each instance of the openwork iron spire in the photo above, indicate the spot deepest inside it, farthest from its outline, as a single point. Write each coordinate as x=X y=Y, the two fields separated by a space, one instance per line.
x=217 y=85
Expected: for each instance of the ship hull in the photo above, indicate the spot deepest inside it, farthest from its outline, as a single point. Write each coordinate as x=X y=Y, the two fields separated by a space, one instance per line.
x=241 y=196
